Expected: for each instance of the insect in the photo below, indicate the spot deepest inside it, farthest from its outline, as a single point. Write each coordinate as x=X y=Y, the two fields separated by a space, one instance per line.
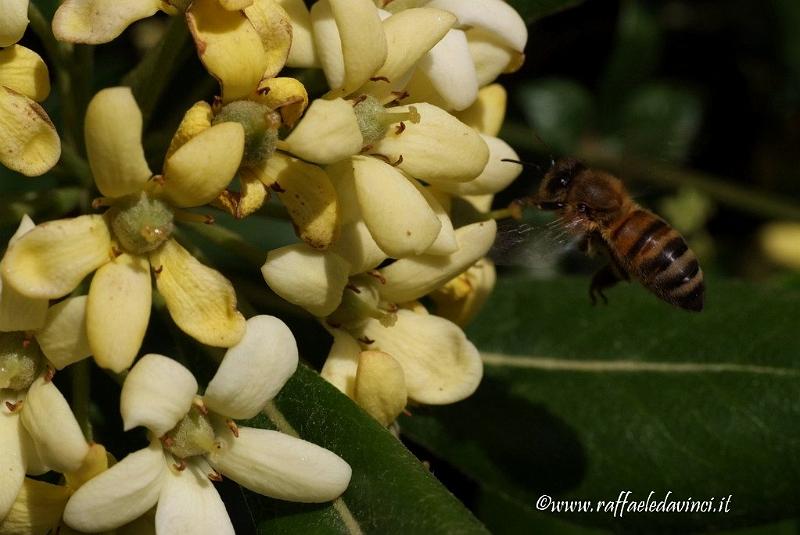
x=639 y=245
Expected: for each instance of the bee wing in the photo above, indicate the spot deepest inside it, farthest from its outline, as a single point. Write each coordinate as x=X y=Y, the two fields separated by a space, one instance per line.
x=535 y=246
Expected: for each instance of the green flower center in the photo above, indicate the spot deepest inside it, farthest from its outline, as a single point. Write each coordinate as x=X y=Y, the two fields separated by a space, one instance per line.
x=260 y=125
x=374 y=120
x=141 y=224
x=193 y=436
x=21 y=361
x=359 y=302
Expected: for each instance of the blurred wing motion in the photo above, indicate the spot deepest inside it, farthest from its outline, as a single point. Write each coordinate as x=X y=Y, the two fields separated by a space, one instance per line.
x=537 y=247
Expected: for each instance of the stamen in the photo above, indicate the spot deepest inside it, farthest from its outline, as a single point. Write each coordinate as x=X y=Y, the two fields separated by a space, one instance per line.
x=49 y=374
x=216 y=103
x=263 y=90
x=353 y=288
x=213 y=475
x=200 y=406
x=366 y=340
x=379 y=79
x=366 y=148
x=158 y=270
x=167 y=441
x=358 y=100
x=191 y=217
x=398 y=96
x=115 y=252
x=400 y=128
x=14 y=406
x=333 y=324
x=276 y=187
x=377 y=274
x=180 y=466
x=233 y=427
x=101 y=202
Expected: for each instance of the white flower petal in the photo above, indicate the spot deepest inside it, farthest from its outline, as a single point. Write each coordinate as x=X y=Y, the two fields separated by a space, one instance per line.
x=441 y=366
x=12 y=26
x=254 y=370
x=49 y=420
x=439 y=148
x=497 y=174
x=487 y=113
x=495 y=16
x=380 y=386
x=113 y=132
x=306 y=277
x=491 y=57
x=157 y=393
x=99 y=21
x=342 y=362
x=399 y=218
x=445 y=242
x=411 y=278
x=327 y=133
x=446 y=75
x=302 y=54
x=120 y=494
x=63 y=337
x=37 y=509
x=280 y=466
x=118 y=311
x=12 y=464
x=52 y=259
x=190 y=505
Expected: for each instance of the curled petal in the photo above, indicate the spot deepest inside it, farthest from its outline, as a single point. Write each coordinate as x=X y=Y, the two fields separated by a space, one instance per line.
x=24 y=71
x=411 y=278
x=99 y=21
x=342 y=363
x=120 y=494
x=380 y=386
x=118 y=311
x=229 y=46
x=49 y=420
x=439 y=148
x=487 y=113
x=311 y=279
x=441 y=366
x=63 y=337
x=504 y=23
x=280 y=466
x=12 y=25
x=308 y=194
x=396 y=212
x=302 y=54
x=18 y=312
x=462 y=298
x=410 y=34
x=350 y=42
x=490 y=56
x=287 y=95
x=95 y=462
x=254 y=370
x=496 y=175
x=37 y=509
x=196 y=120
x=12 y=461
x=52 y=259
x=29 y=143
x=200 y=300
x=189 y=503
x=445 y=242
x=273 y=26
x=113 y=131
x=198 y=171
x=327 y=133
x=157 y=393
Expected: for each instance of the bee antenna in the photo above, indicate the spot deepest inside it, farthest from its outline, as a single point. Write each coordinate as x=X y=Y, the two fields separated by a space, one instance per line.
x=523 y=163
x=548 y=147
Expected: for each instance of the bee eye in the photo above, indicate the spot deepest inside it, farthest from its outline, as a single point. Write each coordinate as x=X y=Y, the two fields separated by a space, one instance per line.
x=564 y=181
x=582 y=207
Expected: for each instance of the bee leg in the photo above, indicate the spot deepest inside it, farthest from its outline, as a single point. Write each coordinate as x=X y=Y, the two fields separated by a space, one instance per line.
x=606 y=277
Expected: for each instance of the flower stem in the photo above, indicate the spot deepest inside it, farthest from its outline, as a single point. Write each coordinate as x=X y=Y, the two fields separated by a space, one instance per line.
x=230 y=241
x=81 y=388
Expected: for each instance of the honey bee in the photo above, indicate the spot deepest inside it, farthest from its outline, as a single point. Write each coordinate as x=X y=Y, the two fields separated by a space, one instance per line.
x=639 y=245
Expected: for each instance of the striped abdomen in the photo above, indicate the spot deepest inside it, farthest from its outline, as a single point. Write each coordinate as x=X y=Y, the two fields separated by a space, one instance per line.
x=654 y=253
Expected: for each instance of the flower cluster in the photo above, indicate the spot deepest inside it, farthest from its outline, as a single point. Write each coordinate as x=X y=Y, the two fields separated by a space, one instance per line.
x=368 y=173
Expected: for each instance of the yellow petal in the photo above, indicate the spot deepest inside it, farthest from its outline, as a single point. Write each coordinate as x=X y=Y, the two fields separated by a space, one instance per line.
x=52 y=259
x=118 y=311
x=462 y=298
x=439 y=148
x=491 y=56
x=482 y=203
x=235 y=5
x=196 y=120
x=18 y=312
x=272 y=24
x=99 y=21
x=95 y=462
x=350 y=40
x=200 y=300
x=342 y=363
x=397 y=214
x=29 y=142
x=251 y=196
x=229 y=47
x=13 y=22
x=445 y=242
x=113 y=131
x=327 y=133
x=287 y=95
x=302 y=54
x=311 y=279
x=308 y=194
x=487 y=113
x=380 y=386
x=411 y=278
x=505 y=24
x=409 y=35
x=198 y=171
x=63 y=337
x=439 y=363
x=24 y=71
x=495 y=176
x=37 y=509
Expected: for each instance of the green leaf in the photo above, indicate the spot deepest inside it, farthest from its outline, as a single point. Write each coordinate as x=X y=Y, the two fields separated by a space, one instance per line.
x=660 y=122
x=391 y=491
x=582 y=402
x=558 y=110
x=533 y=10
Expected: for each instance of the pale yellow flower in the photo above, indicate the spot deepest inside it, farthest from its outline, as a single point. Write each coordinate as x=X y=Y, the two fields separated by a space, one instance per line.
x=29 y=143
x=13 y=22
x=52 y=259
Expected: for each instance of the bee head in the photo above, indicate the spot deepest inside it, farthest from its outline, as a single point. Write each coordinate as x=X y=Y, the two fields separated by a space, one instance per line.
x=559 y=179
